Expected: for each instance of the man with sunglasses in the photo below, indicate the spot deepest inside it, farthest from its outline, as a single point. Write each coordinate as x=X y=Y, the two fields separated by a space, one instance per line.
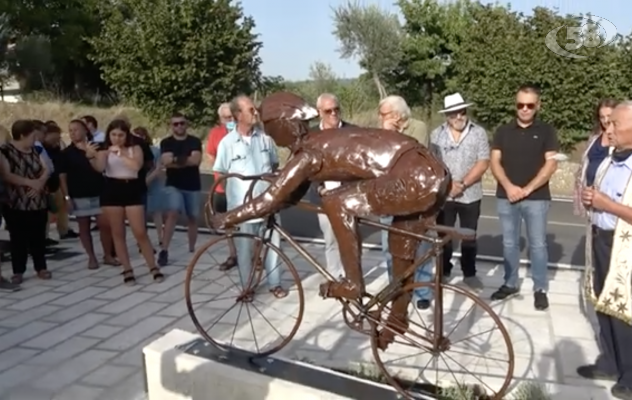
x=181 y=154
x=328 y=108
x=523 y=158
x=464 y=148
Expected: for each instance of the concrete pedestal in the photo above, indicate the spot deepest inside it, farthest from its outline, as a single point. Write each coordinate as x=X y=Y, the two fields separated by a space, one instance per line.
x=181 y=366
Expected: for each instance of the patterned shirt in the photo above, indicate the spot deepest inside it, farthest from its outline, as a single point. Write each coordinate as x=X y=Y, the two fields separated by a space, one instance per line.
x=461 y=156
x=26 y=165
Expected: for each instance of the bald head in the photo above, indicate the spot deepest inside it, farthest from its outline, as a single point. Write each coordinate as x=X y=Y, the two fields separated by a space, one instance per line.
x=619 y=130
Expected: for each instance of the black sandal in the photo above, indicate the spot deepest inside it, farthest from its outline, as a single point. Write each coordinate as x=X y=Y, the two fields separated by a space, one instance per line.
x=231 y=262
x=128 y=277
x=158 y=276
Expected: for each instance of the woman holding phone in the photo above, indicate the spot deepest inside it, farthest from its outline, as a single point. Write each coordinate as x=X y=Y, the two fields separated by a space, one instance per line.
x=123 y=195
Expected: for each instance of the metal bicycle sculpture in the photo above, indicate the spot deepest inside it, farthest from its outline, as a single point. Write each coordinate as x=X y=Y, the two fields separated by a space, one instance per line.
x=367 y=314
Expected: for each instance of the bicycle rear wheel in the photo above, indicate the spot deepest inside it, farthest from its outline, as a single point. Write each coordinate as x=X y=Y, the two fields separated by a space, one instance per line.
x=471 y=354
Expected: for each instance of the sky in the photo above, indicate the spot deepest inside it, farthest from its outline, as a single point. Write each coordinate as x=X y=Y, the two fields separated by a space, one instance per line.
x=297 y=33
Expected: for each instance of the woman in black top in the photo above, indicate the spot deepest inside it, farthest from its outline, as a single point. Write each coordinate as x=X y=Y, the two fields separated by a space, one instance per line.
x=81 y=187
x=26 y=211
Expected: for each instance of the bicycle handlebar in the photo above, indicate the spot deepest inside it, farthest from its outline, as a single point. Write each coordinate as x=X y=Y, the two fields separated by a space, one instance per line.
x=209 y=210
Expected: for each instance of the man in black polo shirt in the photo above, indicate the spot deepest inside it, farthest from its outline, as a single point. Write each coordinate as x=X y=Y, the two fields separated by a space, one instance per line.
x=181 y=154
x=522 y=161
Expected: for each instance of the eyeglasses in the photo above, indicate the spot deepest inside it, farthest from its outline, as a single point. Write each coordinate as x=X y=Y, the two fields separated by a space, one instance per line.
x=522 y=106
x=179 y=123
x=330 y=111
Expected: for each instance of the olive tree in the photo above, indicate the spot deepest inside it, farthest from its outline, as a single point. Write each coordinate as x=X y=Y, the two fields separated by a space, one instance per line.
x=370 y=34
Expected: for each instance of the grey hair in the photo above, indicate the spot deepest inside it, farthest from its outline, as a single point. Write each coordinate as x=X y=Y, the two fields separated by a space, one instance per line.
x=234 y=104
x=398 y=104
x=625 y=104
x=221 y=107
x=326 y=96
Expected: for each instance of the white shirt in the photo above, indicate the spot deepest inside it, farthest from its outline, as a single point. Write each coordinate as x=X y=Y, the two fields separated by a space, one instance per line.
x=98 y=137
x=331 y=184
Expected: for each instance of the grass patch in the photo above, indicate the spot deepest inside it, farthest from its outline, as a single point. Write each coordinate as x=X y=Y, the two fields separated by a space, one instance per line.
x=370 y=372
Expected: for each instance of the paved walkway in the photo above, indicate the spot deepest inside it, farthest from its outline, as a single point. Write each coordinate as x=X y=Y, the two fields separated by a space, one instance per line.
x=80 y=335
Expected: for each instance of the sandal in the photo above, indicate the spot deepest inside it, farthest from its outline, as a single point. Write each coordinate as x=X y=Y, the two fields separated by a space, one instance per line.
x=231 y=262
x=158 y=276
x=44 y=275
x=128 y=277
x=111 y=261
x=93 y=265
x=279 y=292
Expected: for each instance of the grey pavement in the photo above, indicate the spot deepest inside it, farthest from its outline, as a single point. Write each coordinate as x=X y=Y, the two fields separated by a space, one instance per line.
x=80 y=335
x=565 y=230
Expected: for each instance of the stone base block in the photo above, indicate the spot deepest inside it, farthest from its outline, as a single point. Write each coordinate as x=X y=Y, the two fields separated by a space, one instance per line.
x=182 y=366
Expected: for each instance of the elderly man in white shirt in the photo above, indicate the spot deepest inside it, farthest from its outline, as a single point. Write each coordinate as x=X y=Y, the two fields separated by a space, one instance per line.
x=329 y=111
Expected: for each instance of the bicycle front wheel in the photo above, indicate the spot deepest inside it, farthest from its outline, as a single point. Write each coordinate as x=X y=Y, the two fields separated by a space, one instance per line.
x=237 y=307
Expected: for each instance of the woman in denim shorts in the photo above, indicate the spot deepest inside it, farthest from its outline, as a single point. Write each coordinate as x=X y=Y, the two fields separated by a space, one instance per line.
x=155 y=206
x=81 y=187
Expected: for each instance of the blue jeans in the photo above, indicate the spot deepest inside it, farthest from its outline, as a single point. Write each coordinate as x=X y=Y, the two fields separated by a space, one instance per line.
x=424 y=272
x=187 y=202
x=245 y=254
x=534 y=213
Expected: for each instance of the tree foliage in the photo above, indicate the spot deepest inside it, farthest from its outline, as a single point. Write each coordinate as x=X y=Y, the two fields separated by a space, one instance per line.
x=51 y=45
x=371 y=35
x=187 y=56
x=486 y=52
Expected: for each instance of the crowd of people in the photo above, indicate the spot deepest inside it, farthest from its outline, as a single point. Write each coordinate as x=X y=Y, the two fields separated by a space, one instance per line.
x=110 y=177
x=118 y=175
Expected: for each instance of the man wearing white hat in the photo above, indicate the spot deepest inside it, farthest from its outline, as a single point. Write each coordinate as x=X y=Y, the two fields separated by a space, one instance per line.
x=464 y=148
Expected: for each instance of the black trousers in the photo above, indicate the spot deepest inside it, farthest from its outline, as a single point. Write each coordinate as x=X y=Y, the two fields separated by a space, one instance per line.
x=468 y=215
x=219 y=202
x=27 y=232
x=615 y=336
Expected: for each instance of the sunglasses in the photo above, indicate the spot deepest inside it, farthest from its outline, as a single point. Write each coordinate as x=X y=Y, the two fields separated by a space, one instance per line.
x=330 y=111
x=522 y=106
x=179 y=123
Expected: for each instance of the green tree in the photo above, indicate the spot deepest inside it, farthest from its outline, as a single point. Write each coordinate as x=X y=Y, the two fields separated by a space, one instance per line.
x=65 y=26
x=371 y=35
x=165 y=56
x=324 y=79
x=504 y=49
x=432 y=33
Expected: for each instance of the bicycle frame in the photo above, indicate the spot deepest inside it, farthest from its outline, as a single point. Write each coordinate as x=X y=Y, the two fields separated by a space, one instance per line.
x=443 y=236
